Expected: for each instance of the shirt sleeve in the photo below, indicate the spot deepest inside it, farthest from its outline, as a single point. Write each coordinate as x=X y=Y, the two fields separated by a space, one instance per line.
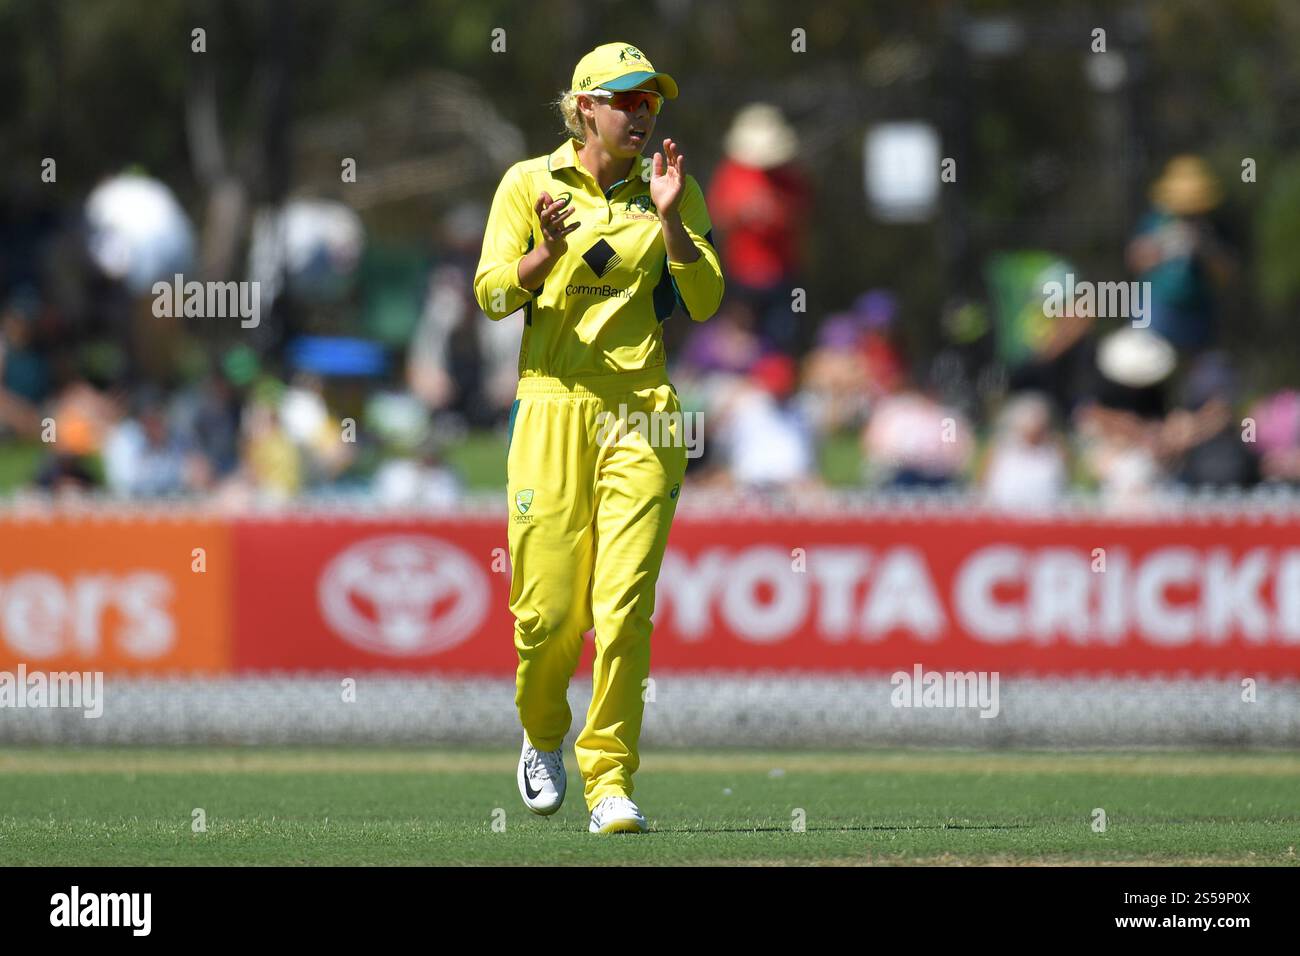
x=508 y=236
x=699 y=284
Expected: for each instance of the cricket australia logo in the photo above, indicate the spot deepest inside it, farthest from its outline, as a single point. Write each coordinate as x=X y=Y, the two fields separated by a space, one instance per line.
x=630 y=51
x=641 y=207
x=524 y=500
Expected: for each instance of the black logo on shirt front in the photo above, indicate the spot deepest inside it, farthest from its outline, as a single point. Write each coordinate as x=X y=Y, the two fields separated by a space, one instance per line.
x=601 y=257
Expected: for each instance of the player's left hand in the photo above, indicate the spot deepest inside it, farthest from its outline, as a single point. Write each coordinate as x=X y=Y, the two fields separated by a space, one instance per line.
x=668 y=179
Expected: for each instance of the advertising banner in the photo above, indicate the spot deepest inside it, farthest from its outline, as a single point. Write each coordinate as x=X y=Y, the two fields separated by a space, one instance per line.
x=349 y=596
x=1198 y=598
x=126 y=595
x=852 y=594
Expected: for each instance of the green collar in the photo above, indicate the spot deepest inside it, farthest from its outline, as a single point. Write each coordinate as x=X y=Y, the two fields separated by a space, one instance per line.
x=566 y=157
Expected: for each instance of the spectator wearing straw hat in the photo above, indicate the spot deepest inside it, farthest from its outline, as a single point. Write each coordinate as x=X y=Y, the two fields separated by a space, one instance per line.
x=1179 y=249
x=759 y=200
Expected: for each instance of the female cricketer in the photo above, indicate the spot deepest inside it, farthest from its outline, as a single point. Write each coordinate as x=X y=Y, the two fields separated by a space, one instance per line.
x=597 y=246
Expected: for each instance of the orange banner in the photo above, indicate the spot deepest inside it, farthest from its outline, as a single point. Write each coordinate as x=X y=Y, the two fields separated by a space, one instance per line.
x=127 y=595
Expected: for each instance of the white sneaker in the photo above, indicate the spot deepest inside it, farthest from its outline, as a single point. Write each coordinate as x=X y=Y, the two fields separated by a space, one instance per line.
x=541 y=778
x=617 y=815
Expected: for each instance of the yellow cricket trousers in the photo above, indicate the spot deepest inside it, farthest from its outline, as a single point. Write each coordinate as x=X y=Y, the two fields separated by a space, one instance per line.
x=593 y=486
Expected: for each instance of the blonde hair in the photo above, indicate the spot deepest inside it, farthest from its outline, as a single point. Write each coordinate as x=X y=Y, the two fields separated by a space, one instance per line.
x=567 y=104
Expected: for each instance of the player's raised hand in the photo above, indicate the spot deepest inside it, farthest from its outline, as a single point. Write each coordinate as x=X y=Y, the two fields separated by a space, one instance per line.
x=551 y=213
x=668 y=179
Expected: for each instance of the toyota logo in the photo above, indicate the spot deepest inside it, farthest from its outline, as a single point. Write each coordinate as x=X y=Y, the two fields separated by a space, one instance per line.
x=403 y=595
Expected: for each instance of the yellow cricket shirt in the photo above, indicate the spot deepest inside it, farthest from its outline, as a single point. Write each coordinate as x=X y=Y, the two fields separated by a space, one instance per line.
x=601 y=309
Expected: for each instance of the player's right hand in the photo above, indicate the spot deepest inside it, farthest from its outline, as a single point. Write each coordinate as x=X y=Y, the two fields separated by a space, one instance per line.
x=552 y=213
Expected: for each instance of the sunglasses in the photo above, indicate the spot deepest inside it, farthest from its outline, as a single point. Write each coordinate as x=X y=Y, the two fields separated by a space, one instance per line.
x=630 y=101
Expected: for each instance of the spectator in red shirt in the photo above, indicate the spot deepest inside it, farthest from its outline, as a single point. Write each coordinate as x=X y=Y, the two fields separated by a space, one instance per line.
x=759 y=201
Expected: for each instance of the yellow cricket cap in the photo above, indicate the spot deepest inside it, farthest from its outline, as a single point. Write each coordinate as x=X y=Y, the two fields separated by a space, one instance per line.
x=617 y=67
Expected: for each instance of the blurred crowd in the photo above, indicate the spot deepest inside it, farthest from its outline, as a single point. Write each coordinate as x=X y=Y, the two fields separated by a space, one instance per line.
x=1016 y=406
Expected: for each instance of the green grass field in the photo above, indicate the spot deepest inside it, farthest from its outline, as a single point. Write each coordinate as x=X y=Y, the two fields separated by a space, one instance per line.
x=327 y=806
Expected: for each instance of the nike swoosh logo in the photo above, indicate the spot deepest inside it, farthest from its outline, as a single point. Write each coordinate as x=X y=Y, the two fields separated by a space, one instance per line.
x=532 y=794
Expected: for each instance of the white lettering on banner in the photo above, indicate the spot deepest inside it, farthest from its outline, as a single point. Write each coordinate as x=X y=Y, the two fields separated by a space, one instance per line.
x=977 y=608
x=90 y=596
x=1286 y=591
x=837 y=572
x=1115 y=598
x=900 y=595
x=1161 y=622
x=903 y=596
x=764 y=621
x=34 y=608
x=691 y=590
x=148 y=633
x=42 y=616
x=1232 y=596
x=1060 y=579
x=1000 y=594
